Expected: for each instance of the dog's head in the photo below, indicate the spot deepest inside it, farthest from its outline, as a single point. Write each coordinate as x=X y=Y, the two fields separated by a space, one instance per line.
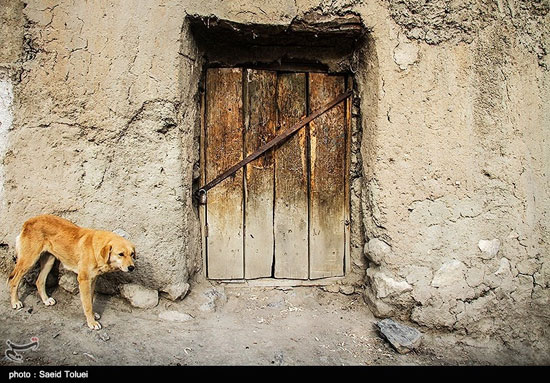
x=119 y=254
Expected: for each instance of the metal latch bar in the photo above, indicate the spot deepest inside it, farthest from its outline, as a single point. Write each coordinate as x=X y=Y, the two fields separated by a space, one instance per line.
x=201 y=193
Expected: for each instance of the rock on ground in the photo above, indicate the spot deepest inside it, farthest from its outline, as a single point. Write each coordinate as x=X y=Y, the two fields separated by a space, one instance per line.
x=403 y=338
x=215 y=298
x=69 y=282
x=175 y=316
x=139 y=296
x=176 y=291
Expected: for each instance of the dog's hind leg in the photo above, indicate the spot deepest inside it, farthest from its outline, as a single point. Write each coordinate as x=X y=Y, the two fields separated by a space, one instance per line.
x=46 y=263
x=27 y=255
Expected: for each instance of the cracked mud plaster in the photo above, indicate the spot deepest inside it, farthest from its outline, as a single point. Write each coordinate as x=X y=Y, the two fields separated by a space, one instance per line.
x=436 y=22
x=6 y=120
x=99 y=124
x=452 y=145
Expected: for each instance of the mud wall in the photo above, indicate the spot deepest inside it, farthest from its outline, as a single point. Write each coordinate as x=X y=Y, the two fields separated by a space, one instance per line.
x=104 y=114
x=456 y=168
x=99 y=111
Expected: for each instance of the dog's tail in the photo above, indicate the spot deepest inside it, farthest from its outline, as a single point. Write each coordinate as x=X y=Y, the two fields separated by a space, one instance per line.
x=17 y=250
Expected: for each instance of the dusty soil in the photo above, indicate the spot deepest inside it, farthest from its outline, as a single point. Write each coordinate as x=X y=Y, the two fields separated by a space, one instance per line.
x=227 y=325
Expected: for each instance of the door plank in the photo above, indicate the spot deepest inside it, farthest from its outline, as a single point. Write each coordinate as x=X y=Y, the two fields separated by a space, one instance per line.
x=224 y=147
x=347 y=176
x=260 y=119
x=327 y=179
x=291 y=195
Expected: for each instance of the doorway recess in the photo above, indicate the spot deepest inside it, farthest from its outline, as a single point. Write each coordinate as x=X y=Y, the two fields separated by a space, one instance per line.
x=285 y=215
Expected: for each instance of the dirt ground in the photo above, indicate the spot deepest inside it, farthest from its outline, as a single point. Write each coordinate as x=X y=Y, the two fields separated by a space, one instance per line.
x=226 y=324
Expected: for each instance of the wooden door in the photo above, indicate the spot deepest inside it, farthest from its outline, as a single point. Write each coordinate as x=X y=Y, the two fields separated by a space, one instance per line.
x=284 y=215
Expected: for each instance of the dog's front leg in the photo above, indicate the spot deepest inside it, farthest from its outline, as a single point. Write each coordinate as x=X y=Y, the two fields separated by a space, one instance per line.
x=85 y=284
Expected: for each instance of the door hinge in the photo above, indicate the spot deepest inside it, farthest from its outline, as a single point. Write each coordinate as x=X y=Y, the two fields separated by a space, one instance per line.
x=206 y=230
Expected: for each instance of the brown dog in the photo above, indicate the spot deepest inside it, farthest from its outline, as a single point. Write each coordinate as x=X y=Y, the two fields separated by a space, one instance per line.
x=87 y=252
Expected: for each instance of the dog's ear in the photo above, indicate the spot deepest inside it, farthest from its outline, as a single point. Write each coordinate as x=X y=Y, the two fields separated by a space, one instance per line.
x=104 y=254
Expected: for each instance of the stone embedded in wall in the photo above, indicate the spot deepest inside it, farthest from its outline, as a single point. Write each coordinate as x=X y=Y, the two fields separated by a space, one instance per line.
x=467 y=207
x=379 y=308
x=450 y=281
x=504 y=268
x=436 y=315
x=384 y=286
x=420 y=278
x=377 y=251
x=175 y=291
x=418 y=275
x=449 y=274
x=501 y=280
x=489 y=248
x=347 y=289
x=422 y=294
x=405 y=54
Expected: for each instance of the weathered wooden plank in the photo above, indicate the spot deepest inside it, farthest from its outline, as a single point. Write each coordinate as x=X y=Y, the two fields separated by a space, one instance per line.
x=260 y=120
x=224 y=147
x=202 y=154
x=327 y=179
x=347 y=175
x=291 y=194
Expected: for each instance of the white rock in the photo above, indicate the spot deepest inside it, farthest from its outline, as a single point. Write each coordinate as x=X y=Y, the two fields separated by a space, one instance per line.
x=379 y=308
x=504 y=268
x=385 y=286
x=377 y=251
x=175 y=316
x=140 y=296
x=405 y=54
x=489 y=248
x=176 y=291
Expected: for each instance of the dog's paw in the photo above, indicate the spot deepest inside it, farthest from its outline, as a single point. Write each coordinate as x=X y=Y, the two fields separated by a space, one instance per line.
x=95 y=325
x=97 y=316
x=49 y=302
x=17 y=305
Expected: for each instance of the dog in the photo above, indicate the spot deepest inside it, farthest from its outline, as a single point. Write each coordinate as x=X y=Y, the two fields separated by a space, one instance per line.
x=87 y=252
